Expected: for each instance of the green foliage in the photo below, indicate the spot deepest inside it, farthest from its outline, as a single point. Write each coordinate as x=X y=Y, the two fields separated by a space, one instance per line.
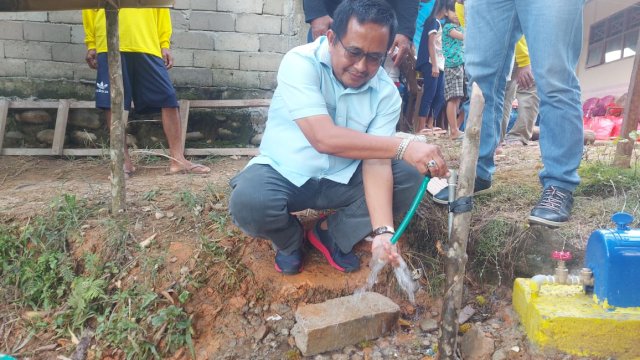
x=177 y=328
x=37 y=271
x=150 y=195
x=233 y=273
x=82 y=300
x=122 y=323
x=489 y=244
x=604 y=180
x=293 y=354
x=35 y=266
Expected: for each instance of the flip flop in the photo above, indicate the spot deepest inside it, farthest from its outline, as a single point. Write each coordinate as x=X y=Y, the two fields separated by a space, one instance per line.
x=434 y=131
x=196 y=169
x=459 y=137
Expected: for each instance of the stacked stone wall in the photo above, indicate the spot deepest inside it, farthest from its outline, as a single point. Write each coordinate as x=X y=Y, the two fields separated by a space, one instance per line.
x=223 y=49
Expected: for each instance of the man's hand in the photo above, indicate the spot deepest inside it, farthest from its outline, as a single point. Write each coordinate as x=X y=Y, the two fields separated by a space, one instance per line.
x=92 y=58
x=435 y=71
x=427 y=158
x=320 y=26
x=403 y=43
x=524 y=77
x=382 y=250
x=168 y=58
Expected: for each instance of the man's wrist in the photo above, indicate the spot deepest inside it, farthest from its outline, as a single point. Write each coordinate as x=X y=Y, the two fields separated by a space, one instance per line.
x=385 y=229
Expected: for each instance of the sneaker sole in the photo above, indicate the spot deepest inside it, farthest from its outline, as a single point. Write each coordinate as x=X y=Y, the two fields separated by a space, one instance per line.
x=442 y=202
x=534 y=220
x=315 y=241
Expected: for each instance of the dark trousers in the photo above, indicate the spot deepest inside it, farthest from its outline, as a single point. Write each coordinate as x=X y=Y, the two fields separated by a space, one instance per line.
x=262 y=201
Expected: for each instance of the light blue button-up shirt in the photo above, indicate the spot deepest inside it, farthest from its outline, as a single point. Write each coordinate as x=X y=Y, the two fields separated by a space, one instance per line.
x=307 y=87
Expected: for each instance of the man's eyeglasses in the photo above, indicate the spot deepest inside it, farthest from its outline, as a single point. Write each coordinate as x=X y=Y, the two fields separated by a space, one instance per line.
x=356 y=54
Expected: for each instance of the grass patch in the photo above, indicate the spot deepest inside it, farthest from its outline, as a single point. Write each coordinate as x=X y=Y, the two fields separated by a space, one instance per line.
x=600 y=179
x=38 y=272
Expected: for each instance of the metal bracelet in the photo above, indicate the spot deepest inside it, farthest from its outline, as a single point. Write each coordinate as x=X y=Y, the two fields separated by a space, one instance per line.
x=402 y=148
x=420 y=138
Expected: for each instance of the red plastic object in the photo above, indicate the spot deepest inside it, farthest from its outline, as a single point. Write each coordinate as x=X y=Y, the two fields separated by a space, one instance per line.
x=561 y=255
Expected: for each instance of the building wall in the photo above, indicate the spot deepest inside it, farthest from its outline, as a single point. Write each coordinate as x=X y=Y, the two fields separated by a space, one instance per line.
x=606 y=79
x=222 y=49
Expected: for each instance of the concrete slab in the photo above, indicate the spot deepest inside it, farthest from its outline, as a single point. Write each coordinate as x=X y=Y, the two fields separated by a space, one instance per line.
x=562 y=317
x=344 y=321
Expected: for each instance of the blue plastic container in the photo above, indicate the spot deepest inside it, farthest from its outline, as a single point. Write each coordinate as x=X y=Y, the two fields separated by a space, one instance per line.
x=613 y=255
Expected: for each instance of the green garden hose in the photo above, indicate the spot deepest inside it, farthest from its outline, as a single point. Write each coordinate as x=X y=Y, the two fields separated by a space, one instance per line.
x=412 y=210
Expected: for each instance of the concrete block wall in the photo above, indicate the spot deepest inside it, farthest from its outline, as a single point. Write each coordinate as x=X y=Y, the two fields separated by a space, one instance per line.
x=222 y=48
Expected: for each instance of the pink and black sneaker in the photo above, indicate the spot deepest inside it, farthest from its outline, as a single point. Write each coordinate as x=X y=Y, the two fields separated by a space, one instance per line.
x=321 y=240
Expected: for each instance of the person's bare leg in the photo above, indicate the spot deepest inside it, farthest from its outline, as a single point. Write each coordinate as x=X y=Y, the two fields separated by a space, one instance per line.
x=429 y=123
x=421 y=123
x=172 y=129
x=452 y=117
x=128 y=165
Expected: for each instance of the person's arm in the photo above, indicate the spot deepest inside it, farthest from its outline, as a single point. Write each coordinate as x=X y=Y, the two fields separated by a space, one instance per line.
x=328 y=138
x=164 y=36
x=377 y=177
x=406 y=13
x=454 y=33
x=88 y=22
x=435 y=70
x=309 y=110
x=524 y=76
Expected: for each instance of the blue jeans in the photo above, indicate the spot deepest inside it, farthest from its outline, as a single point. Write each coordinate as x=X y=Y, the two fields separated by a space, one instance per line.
x=262 y=201
x=553 y=30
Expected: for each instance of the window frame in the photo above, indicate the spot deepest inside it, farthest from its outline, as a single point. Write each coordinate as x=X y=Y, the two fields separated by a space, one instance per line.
x=617 y=27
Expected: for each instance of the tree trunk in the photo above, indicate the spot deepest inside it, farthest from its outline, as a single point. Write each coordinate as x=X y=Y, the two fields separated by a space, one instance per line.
x=624 y=148
x=456 y=258
x=117 y=108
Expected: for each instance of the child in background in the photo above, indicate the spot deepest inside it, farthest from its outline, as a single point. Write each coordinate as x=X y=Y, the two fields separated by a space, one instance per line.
x=453 y=51
x=431 y=63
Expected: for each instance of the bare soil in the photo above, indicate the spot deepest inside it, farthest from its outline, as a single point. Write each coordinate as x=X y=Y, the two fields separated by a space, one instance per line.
x=230 y=320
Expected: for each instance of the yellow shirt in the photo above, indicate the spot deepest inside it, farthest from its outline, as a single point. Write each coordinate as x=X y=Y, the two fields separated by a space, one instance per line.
x=141 y=30
x=522 y=52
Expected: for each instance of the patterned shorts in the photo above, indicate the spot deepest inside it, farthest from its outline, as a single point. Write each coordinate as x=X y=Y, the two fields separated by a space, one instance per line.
x=453 y=82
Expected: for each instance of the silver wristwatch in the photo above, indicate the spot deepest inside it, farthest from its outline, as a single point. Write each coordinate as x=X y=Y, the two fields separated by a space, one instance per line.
x=382 y=230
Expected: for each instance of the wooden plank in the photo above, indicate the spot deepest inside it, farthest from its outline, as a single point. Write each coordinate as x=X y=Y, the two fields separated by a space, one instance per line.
x=25 y=151
x=30 y=104
x=105 y=152
x=222 y=152
x=61 y=127
x=184 y=120
x=4 y=110
x=247 y=103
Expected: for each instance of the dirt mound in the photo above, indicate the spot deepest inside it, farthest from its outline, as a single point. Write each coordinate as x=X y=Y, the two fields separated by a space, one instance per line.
x=180 y=244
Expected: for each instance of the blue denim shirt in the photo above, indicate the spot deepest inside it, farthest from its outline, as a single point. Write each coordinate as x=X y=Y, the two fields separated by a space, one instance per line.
x=307 y=87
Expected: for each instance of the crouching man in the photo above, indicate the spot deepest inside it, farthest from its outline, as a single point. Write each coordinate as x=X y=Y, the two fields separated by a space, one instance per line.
x=329 y=144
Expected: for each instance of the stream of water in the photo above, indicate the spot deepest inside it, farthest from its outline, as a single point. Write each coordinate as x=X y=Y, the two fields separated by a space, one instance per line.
x=402 y=273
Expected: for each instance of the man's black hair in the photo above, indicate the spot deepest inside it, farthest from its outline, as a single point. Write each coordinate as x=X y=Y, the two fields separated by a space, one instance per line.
x=365 y=11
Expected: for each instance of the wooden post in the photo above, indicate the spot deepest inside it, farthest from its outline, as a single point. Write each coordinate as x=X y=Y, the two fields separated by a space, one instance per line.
x=630 y=123
x=456 y=258
x=61 y=127
x=117 y=110
x=4 y=110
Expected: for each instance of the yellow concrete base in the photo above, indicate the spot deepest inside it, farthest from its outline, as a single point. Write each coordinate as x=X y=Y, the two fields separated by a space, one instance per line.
x=562 y=317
